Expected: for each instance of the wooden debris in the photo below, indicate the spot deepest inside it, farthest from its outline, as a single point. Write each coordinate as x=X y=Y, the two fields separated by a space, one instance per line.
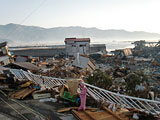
x=21 y=94
x=41 y=96
x=98 y=115
x=80 y=115
x=62 y=90
x=75 y=108
x=112 y=113
x=88 y=115
x=26 y=84
x=66 y=109
x=73 y=86
x=2 y=78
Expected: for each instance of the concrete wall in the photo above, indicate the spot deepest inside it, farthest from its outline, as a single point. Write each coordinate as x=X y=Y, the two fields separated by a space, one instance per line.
x=97 y=47
x=47 y=52
x=50 y=52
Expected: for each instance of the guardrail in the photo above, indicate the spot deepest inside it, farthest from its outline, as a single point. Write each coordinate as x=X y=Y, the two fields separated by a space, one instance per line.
x=47 y=82
x=99 y=94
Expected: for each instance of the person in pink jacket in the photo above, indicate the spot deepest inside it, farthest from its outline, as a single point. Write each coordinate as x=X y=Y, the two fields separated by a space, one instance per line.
x=82 y=96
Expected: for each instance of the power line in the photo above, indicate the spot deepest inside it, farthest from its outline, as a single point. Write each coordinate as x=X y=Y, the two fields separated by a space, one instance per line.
x=33 y=11
x=29 y=15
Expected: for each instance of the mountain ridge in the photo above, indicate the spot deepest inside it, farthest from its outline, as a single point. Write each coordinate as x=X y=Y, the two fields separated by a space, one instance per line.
x=17 y=34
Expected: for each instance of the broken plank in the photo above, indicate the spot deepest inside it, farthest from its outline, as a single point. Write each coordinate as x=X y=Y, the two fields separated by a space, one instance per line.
x=100 y=115
x=28 y=92
x=89 y=115
x=80 y=115
x=21 y=94
x=71 y=108
x=109 y=111
x=66 y=109
x=26 y=84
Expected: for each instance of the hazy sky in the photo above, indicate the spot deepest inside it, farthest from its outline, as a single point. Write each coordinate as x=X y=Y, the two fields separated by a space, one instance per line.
x=132 y=15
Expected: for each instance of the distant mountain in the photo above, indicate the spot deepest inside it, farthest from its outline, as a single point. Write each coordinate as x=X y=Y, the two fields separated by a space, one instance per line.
x=26 y=35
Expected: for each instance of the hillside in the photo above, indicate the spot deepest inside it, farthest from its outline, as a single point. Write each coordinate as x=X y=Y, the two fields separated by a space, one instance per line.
x=26 y=35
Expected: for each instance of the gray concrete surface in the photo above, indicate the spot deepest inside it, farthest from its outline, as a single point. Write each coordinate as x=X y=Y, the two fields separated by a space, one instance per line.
x=47 y=109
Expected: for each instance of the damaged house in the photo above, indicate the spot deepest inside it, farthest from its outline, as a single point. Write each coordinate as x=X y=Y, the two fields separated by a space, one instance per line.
x=77 y=45
x=123 y=52
x=4 y=54
x=84 y=62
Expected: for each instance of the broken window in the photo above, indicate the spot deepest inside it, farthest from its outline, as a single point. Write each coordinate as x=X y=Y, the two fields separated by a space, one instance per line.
x=82 y=45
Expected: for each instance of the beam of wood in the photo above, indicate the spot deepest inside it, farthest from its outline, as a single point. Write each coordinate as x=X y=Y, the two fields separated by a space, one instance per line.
x=80 y=115
x=90 y=116
x=66 y=109
x=109 y=111
x=28 y=92
x=75 y=108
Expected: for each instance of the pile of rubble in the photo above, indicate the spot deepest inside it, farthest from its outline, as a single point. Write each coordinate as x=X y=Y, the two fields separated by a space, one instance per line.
x=83 y=85
x=81 y=102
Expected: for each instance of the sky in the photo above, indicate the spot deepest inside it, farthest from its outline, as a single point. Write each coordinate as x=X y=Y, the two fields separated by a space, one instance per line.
x=130 y=15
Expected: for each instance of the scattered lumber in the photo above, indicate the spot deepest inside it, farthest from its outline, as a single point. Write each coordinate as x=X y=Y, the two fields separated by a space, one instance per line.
x=21 y=94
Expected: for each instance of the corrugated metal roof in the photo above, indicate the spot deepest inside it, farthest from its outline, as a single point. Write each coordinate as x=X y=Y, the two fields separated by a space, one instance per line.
x=26 y=65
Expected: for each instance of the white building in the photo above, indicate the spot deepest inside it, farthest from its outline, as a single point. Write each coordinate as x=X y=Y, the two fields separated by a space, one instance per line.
x=77 y=45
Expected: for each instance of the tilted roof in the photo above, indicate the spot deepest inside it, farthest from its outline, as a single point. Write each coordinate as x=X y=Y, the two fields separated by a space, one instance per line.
x=3 y=44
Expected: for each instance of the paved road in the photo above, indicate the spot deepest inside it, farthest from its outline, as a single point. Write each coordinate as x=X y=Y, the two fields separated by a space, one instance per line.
x=10 y=110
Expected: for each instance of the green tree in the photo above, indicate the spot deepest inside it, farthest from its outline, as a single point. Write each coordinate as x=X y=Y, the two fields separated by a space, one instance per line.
x=100 y=79
x=134 y=79
x=142 y=75
x=131 y=81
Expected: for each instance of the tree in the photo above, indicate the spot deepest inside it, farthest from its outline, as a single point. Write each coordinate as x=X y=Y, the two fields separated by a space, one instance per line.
x=100 y=79
x=133 y=79
x=142 y=75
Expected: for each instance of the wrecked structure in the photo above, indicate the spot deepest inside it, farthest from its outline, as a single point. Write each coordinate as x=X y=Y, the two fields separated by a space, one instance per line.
x=5 y=56
x=122 y=52
x=77 y=45
x=146 y=49
x=84 y=62
x=61 y=80
x=24 y=66
x=104 y=97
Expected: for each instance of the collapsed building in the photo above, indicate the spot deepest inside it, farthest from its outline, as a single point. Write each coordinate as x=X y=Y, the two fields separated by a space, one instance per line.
x=84 y=62
x=77 y=45
x=5 y=56
x=117 y=106
x=50 y=83
x=146 y=49
x=123 y=52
